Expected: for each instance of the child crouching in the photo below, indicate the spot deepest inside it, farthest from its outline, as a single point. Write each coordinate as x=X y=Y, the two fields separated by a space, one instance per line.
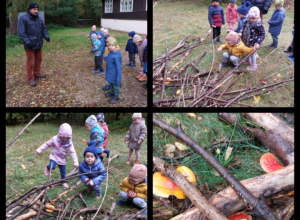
x=134 y=187
x=89 y=164
x=235 y=49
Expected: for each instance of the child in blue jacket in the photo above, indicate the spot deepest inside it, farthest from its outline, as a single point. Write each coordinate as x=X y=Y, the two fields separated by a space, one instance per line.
x=216 y=19
x=242 y=12
x=132 y=49
x=96 y=132
x=92 y=163
x=113 y=71
x=276 y=22
x=97 y=51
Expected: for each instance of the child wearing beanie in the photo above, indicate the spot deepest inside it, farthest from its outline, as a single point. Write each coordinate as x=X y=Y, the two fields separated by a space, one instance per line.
x=96 y=133
x=235 y=49
x=253 y=34
x=132 y=49
x=113 y=71
x=97 y=50
x=216 y=19
x=89 y=164
x=135 y=136
x=276 y=22
x=134 y=187
x=231 y=15
x=101 y=123
x=242 y=13
x=141 y=47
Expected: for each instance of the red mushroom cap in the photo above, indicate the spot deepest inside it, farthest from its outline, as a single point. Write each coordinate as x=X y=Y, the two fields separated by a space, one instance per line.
x=269 y=163
x=240 y=216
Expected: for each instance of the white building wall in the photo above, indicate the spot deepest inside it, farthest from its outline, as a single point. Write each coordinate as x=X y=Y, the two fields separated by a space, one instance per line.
x=140 y=27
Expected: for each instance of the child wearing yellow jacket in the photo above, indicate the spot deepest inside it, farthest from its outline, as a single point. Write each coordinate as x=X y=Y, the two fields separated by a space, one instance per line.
x=235 y=49
x=134 y=187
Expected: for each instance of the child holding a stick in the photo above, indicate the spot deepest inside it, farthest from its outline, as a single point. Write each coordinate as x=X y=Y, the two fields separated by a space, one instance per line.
x=235 y=49
x=216 y=19
x=62 y=144
x=276 y=22
x=134 y=187
x=135 y=137
x=101 y=123
x=253 y=34
x=231 y=15
x=92 y=163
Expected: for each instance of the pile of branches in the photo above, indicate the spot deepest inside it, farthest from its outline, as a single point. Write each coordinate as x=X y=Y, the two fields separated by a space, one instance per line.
x=203 y=88
x=35 y=203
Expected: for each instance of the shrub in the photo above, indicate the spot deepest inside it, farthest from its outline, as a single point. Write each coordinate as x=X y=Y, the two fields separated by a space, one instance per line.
x=12 y=40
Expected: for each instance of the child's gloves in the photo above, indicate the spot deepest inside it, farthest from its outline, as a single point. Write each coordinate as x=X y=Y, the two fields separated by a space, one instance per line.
x=219 y=49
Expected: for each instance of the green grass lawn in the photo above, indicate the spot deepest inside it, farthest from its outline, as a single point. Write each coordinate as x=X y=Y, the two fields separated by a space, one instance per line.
x=22 y=152
x=176 y=20
x=207 y=129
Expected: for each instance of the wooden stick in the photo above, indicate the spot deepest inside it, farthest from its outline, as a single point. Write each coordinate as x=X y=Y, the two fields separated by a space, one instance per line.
x=259 y=206
x=15 y=138
x=189 y=190
x=110 y=211
x=165 y=74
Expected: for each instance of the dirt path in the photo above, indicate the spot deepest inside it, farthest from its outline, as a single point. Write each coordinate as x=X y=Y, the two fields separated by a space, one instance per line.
x=70 y=82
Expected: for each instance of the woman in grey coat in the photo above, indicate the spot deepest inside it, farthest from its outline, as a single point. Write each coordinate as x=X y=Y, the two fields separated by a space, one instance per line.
x=135 y=137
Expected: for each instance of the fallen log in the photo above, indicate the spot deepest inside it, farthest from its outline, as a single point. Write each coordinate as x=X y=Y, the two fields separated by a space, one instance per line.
x=274 y=142
x=273 y=124
x=228 y=201
x=258 y=205
x=189 y=190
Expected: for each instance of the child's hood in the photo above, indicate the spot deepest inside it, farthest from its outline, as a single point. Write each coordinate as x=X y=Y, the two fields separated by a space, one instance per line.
x=65 y=130
x=142 y=121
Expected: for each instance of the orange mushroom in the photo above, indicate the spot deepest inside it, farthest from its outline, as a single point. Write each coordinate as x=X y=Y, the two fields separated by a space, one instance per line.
x=240 y=216
x=164 y=187
x=269 y=163
x=187 y=172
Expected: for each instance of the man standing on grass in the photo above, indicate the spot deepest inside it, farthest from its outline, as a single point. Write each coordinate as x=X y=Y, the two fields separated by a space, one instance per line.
x=31 y=30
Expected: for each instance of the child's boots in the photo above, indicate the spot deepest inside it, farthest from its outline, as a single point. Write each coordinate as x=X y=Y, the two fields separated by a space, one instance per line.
x=128 y=161
x=136 y=161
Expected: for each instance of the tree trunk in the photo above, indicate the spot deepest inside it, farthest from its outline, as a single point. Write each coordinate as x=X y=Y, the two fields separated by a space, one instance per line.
x=273 y=124
x=13 y=25
x=228 y=201
x=189 y=190
x=274 y=142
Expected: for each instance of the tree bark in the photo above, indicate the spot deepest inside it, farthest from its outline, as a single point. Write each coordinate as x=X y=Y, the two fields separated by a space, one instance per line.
x=189 y=190
x=258 y=205
x=273 y=124
x=228 y=201
x=274 y=142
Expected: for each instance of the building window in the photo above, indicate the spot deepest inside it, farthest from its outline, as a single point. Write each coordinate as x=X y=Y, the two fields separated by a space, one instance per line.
x=126 y=5
x=108 y=6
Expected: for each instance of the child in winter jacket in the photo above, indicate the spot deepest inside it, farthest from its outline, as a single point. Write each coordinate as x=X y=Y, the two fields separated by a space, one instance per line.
x=96 y=133
x=101 y=122
x=231 y=15
x=253 y=34
x=242 y=12
x=235 y=49
x=93 y=31
x=97 y=51
x=291 y=48
x=113 y=71
x=276 y=22
x=134 y=187
x=145 y=69
x=135 y=136
x=106 y=36
x=216 y=19
x=141 y=47
x=62 y=144
x=92 y=163
x=132 y=49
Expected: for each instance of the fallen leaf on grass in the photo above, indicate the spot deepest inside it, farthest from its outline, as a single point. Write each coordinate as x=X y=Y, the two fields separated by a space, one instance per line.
x=264 y=81
x=23 y=166
x=256 y=99
x=169 y=149
x=192 y=115
x=228 y=153
x=178 y=92
x=180 y=146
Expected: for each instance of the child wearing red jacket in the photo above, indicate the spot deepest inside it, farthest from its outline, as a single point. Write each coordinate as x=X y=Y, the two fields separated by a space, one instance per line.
x=100 y=120
x=216 y=19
